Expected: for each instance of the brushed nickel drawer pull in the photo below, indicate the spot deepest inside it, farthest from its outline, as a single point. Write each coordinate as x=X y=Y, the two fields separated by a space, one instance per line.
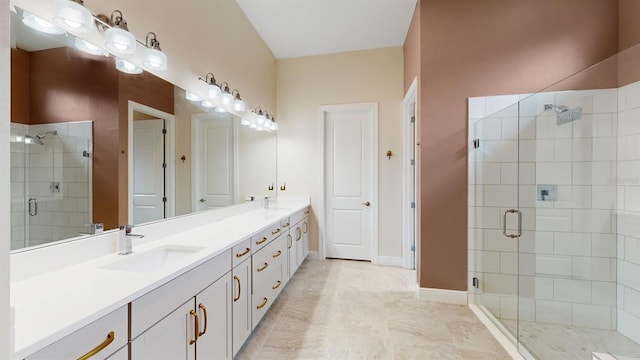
x=248 y=250
x=276 y=285
x=261 y=241
x=110 y=337
x=266 y=265
x=264 y=302
x=277 y=254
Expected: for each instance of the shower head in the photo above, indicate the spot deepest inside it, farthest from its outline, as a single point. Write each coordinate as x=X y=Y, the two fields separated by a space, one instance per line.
x=28 y=139
x=42 y=135
x=564 y=115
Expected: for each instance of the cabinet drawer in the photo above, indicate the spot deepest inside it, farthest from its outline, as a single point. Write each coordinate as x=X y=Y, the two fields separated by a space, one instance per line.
x=299 y=216
x=153 y=306
x=241 y=252
x=267 y=260
x=261 y=239
x=90 y=337
x=285 y=224
x=266 y=292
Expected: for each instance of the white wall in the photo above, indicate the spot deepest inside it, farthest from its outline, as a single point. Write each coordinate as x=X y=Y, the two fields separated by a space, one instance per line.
x=5 y=201
x=306 y=83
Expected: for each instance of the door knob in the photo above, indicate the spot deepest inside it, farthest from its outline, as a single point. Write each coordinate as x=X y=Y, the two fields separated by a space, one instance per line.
x=366 y=203
x=202 y=200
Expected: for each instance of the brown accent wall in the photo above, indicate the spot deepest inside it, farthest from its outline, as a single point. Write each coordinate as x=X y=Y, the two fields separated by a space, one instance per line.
x=411 y=50
x=20 y=88
x=145 y=89
x=479 y=48
x=629 y=26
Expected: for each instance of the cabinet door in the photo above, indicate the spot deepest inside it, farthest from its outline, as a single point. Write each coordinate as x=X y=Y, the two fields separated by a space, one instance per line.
x=292 y=254
x=213 y=305
x=299 y=238
x=122 y=354
x=241 y=293
x=305 y=237
x=168 y=339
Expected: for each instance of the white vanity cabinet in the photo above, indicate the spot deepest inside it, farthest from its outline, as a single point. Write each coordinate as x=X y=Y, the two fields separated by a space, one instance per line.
x=241 y=294
x=268 y=277
x=188 y=314
x=102 y=338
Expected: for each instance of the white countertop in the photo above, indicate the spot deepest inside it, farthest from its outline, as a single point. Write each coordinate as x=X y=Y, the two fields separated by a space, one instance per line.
x=54 y=304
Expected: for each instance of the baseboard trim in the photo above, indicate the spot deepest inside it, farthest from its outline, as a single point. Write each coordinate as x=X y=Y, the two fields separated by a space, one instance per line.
x=444 y=296
x=313 y=255
x=390 y=261
x=506 y=341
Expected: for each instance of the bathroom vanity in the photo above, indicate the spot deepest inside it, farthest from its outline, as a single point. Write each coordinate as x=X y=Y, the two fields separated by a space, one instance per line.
x=194 y=285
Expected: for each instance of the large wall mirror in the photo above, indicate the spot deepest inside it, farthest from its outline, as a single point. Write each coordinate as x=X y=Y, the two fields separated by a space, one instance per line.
x=91 y=144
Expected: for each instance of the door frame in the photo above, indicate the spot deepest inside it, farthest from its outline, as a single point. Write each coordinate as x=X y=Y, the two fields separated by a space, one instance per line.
x=195 y=142
x=321 y=214
x=170 y=183
x=409 y=223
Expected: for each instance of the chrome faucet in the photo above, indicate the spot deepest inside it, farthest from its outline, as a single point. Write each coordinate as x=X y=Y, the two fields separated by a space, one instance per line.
x=266 y=202
x=124 y=242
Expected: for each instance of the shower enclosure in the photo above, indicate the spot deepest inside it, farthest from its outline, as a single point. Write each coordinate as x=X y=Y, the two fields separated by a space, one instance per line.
x=50 y=182
x=554 y=213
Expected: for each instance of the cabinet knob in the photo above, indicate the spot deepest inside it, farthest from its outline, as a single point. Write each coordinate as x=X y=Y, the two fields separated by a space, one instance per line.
x=202 y=200
x=366 y=203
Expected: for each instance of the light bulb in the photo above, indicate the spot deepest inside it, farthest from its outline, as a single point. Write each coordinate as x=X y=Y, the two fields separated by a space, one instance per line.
x=192 y=97
x=227 y=98
x=73 y=17
x=261 y=119
x=208 y=104
x=120 y=41
x=154 y=59
x=238 y=105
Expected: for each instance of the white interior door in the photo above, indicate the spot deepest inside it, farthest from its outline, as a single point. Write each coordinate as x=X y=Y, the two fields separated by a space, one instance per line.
x=148 y=171
x=350 y=160
x=215 y=156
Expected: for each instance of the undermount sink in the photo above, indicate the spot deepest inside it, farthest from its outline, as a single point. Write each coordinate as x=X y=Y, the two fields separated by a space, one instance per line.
x=154 y=259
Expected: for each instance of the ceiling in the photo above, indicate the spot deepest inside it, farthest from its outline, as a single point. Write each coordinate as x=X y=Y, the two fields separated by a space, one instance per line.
x=295 y=28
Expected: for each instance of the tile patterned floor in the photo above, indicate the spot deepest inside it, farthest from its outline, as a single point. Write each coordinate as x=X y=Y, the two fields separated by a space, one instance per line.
x=336 y=309
x=560 y=342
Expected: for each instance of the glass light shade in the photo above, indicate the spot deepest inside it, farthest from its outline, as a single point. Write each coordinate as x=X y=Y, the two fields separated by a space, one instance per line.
x=89 y=48
x=208 y=104
x=120 y=41
x=218 y=109
x=192 y=97
x=260 y=127
x=267 y=124
x=39 y=24
x=154 y=59
x=213 y=91
x=227 y=98
x=238 y=105
x=245 y=122
x=260 y=119
x=73 y=17
x=274 y=126
x=253 y=124
x=127 y=67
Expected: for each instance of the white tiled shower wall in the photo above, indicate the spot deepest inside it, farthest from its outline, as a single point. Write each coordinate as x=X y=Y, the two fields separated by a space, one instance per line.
x=34 y=168
x=567 y=251
x=629 y=211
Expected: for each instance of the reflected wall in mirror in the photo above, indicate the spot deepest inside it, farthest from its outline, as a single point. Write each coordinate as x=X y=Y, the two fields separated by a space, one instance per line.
x=73 y=125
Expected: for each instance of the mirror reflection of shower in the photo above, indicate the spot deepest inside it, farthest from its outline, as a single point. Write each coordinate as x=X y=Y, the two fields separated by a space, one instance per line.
x=50 y=181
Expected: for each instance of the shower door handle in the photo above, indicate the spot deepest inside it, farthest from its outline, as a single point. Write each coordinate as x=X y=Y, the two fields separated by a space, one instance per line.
x=504 y=223
x=33 y=206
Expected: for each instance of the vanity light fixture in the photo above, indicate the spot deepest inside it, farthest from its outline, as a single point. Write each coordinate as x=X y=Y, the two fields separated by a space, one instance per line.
x=127 y=67
x=208 y=104
x=220 y=110
x=267 y=121
x=40 y=24
x=273 y=126
x=192 y=97
x=72 y=16
x=213 y=90
x=260 y=119
x=118 y=38
x=89 y=48
x=238 y=104
x=245 y=122
x=227 y=98
x=152 y=56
